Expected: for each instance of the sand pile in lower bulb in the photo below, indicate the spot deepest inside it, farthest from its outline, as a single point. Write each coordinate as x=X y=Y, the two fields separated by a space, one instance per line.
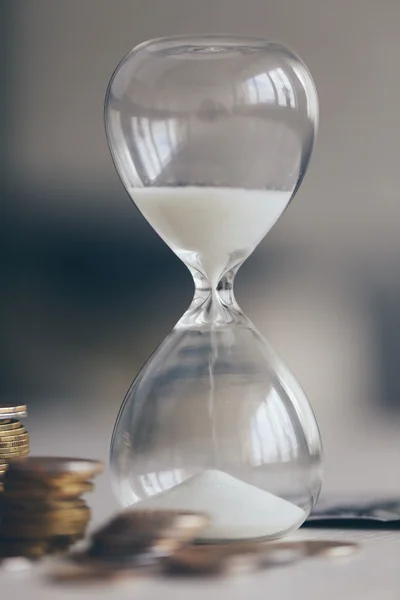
x=238 y=510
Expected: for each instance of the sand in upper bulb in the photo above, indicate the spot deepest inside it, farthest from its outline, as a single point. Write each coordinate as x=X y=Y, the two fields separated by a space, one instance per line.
x=237 y=510
x=210 y=223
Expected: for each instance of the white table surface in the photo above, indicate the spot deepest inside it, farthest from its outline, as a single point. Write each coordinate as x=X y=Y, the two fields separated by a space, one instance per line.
x=373 y=573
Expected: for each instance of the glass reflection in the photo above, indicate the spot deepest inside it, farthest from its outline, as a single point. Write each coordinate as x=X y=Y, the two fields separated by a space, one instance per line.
x=272 y=87
x=157 y=142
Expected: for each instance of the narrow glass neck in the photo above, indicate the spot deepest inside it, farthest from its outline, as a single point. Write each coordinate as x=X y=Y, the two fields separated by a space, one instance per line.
x=212 y=306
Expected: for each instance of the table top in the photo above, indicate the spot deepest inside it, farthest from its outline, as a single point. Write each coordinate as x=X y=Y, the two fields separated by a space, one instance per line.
x=373 y=572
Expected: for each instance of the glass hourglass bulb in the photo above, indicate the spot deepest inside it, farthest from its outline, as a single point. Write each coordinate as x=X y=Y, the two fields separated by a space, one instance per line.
x=211 y=137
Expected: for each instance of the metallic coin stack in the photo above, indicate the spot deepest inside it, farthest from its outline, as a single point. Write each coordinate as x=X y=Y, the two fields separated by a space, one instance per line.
x=14 y=439
x=43 y=511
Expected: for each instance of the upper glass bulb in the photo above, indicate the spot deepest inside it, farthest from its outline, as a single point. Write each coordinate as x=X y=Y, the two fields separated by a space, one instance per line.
x=211 y=137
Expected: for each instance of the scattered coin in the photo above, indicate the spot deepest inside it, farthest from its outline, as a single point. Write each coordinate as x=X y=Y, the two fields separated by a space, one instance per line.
x=237 y=557
x=136 y=531
x=91 y=574
x=216 y=558
x=281 y=554
x=295 y=550
x=196 y=560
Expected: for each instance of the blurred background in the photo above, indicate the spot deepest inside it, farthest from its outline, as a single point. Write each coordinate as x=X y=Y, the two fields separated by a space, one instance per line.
x=89 y=290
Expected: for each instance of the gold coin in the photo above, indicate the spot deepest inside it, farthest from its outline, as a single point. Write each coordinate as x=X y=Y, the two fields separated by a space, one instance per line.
x=15 y=452
x=14 y=443
x=4 y=450
x=13 y=434
x=38 y=482
x=43 y=530
x=79 y=469
x=10 y=424
x=71 y=491
x=42 y=504
x=331 y=548
x=12 y=410
x=7 y=459
x=23 y=437
x=36 y=517
x=35 y=520
x=46 y=483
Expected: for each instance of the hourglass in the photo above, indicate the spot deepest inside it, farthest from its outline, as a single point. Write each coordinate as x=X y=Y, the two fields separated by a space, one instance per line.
x=211 y=137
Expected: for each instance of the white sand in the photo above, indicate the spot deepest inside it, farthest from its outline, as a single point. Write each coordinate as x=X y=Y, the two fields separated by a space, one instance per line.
x=238 y=510
x=210 y=223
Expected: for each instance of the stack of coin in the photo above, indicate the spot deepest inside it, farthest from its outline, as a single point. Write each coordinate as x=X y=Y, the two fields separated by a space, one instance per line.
x=43 y=511
x=14 y=439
